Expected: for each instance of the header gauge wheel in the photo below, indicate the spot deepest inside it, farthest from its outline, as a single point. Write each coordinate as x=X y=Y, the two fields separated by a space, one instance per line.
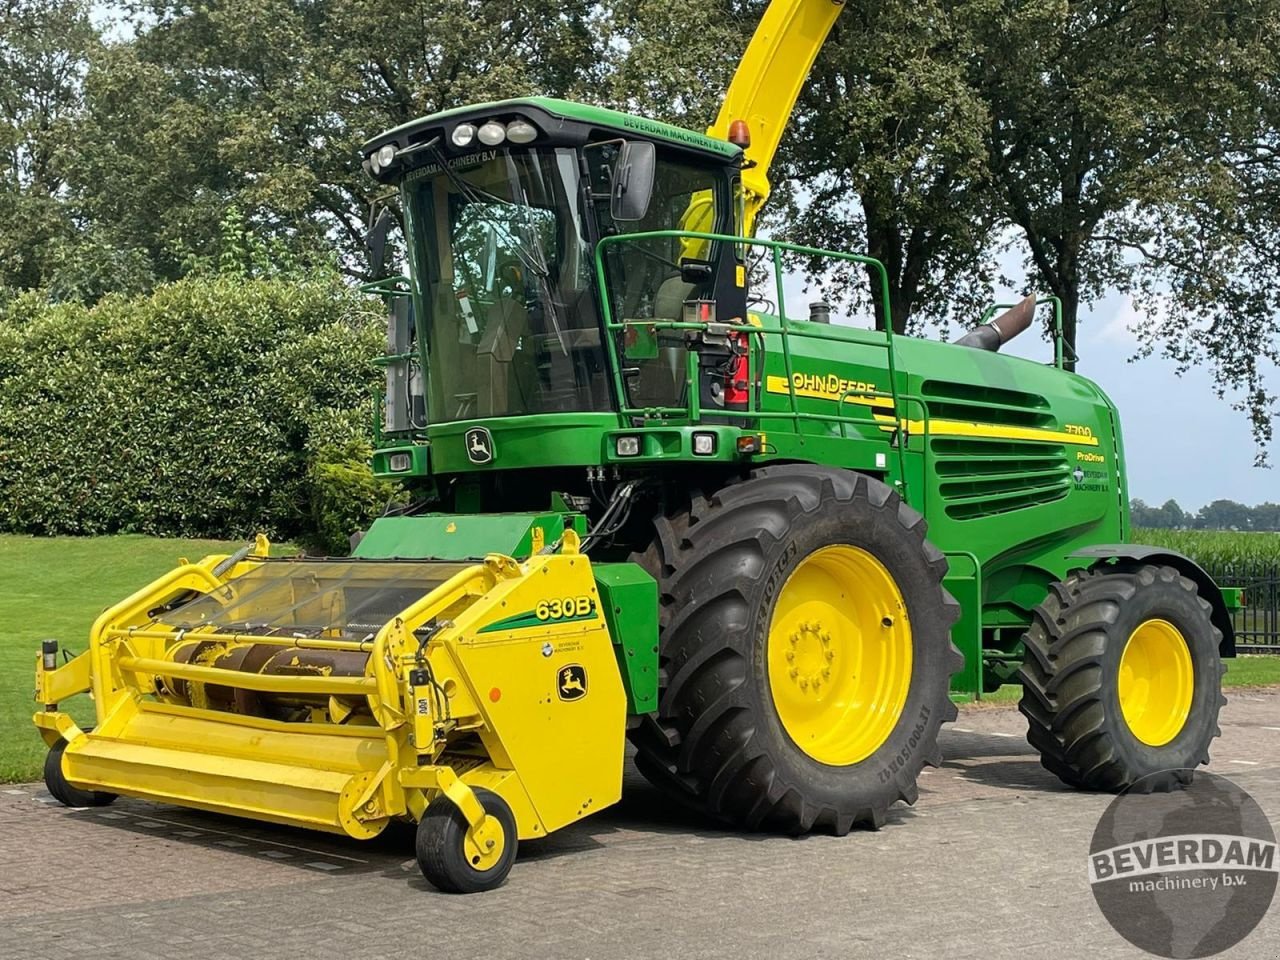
x=805 y=649
x=62 y=790
x=450 y=860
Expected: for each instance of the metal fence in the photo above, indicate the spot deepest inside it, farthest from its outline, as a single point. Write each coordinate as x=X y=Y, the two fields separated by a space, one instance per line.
x=1258 y=622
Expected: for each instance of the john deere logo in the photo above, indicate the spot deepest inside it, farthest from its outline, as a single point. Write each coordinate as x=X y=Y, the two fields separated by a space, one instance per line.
x=573 y=682
x=479 y=445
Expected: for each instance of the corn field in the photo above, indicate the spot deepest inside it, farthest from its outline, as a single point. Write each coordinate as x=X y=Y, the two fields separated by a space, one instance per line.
x=1235 y=559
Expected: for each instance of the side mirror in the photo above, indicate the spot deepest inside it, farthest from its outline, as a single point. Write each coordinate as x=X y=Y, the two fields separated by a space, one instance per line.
x=696 y=271
x=376 y=241
x=632 y=180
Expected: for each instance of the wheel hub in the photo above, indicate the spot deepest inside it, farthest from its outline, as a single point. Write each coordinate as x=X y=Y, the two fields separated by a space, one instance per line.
x=839 y=655
x=1156 y=682
x=810 y=657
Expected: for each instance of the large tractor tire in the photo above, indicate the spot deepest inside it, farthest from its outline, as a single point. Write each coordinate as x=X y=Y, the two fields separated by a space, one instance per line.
x=805 y=652
x=1121 y=679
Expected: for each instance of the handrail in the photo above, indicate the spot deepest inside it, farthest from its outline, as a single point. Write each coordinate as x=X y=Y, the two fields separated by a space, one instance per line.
x=785 y=331
x=1060 y=346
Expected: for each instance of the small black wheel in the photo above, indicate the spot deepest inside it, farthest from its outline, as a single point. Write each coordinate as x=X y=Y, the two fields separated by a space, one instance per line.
x=62 y=791
x=1121 y=679
x=442 y=847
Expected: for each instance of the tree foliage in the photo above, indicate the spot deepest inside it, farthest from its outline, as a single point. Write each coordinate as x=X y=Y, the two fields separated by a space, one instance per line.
x=45 y=46
x=888 y=156
x=1134 y=145
x=208 y=408
x=1216 y=515
x=1113 y=145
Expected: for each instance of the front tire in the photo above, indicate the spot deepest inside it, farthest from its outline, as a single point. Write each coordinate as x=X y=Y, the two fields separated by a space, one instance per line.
x=805 y=652
x=443 y=851
x=1121 y=679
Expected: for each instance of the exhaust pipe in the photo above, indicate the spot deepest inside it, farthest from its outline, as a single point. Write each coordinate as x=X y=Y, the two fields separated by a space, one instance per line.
x=996 y=333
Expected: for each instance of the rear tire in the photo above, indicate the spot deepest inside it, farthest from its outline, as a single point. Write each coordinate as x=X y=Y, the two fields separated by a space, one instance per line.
x=718 y=742
x=62 y=791
x=441 y=850
x=1077 y=682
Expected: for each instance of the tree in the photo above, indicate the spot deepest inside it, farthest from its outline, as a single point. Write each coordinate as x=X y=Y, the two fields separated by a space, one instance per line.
x=1223 y=515
x=1141 y=515
x=44 y=46
x=671 y=60
x=888 y=156
x=1135 y=148
x=1265 y=516
x=1172 y=516
x=263 y=106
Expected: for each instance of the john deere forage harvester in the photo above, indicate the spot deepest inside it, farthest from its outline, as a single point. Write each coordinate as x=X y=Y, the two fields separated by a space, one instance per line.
x=650 y=501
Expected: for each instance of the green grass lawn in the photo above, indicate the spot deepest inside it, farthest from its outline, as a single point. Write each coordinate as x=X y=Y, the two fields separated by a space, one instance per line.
x=55 y=587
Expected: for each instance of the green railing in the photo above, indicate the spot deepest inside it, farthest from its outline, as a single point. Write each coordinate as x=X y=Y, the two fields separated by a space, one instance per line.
x=1061 y=348
x=785 y=332
x=389 y=288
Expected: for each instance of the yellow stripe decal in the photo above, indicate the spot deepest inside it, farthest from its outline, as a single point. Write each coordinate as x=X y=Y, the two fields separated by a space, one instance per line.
x=937 y=428
x=988 y=431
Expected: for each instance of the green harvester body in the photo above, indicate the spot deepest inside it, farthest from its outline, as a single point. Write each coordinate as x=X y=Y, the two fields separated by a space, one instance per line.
x=1017 y=466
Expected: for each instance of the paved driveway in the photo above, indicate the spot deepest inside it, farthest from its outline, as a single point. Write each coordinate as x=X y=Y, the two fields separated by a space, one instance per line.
x=989 y=863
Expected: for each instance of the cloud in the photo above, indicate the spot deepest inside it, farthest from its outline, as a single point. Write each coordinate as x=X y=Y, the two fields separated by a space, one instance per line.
x=1118 y=329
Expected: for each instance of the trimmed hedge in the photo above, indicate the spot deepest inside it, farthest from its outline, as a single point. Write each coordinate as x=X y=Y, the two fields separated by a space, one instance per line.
x=213 y=407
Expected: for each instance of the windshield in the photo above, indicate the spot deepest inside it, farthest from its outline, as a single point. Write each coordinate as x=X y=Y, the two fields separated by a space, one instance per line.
x=502 y=275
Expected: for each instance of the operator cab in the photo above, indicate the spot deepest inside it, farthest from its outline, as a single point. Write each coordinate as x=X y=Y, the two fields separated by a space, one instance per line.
x=503 y=205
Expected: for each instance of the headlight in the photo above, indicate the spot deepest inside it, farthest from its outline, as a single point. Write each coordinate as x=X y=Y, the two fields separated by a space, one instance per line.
x=399 y=462
x=627 y=446
x=492 y=133
x=521 y=131
x=463 y=134
x=386 y=154
x=704 y=444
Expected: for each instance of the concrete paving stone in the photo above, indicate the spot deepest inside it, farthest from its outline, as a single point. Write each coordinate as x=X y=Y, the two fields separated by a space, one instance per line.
x=990 y=864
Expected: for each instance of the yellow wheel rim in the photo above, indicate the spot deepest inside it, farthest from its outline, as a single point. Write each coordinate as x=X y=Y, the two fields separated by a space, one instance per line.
x=476 y=844
x=839 y=655
x=1156 y=682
